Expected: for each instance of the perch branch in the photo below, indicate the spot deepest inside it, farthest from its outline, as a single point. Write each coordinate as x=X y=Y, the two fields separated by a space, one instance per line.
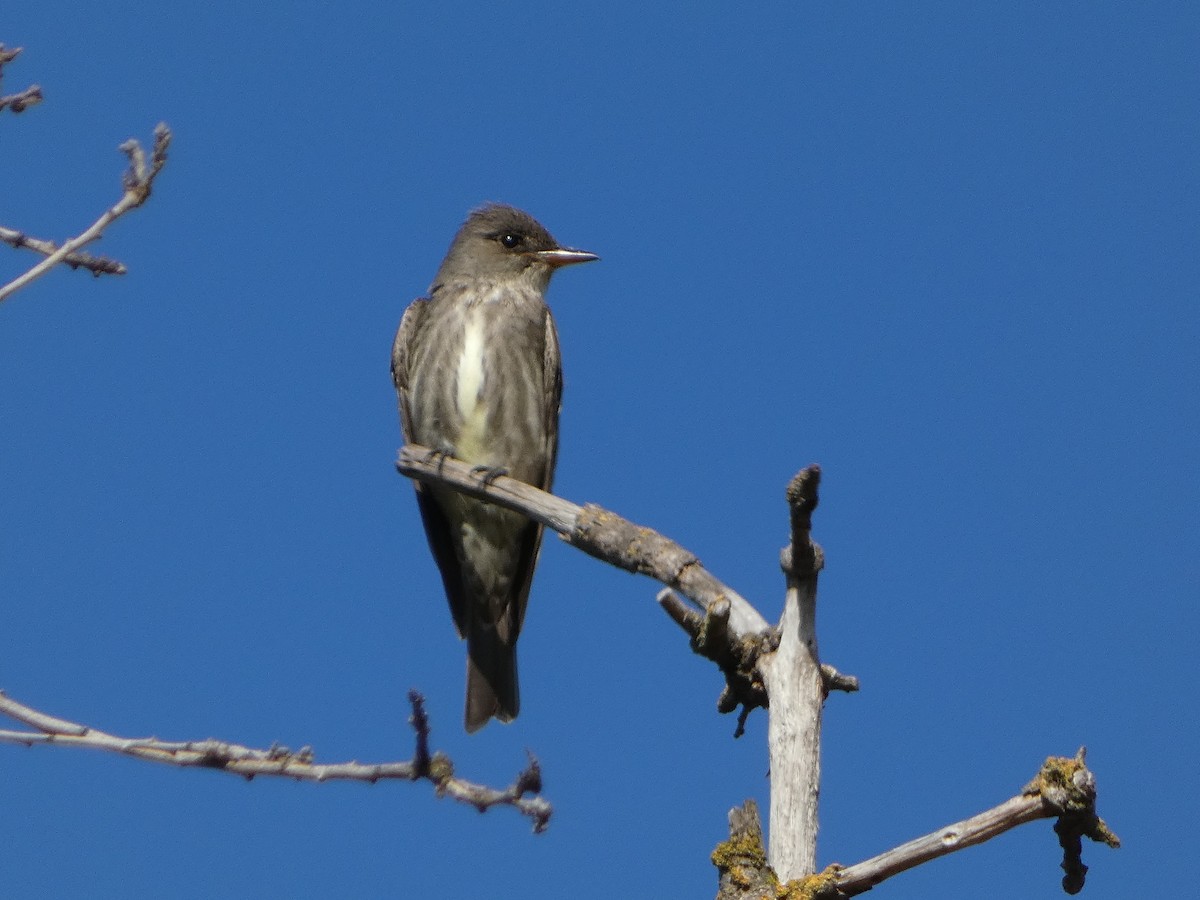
x=723 y=626
x=137 y=182
x=436 y=768
x=594 y=530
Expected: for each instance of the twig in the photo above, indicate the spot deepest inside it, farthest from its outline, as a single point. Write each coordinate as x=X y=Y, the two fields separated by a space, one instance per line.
x=837 y=681
x=138 y=180
x=523 y=794
x=98 y=265
x=21 y=100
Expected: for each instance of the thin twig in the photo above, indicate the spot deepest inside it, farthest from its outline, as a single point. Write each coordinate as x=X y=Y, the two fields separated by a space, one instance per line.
x=98 y=265
x=22 y=100
x=138 y=181
x=523 y=794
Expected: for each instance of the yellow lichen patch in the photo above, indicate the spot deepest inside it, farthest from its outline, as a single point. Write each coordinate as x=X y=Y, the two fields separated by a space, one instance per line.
x=1057 y=772
x=1102 y=833
x=742 y=850
x=441 y=768
x=814 y=887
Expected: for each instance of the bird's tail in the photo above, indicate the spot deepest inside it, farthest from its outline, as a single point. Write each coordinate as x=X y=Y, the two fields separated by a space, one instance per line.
x=491 y=678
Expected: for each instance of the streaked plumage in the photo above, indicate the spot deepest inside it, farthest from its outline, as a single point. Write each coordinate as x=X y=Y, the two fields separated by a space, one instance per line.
x=477 y=371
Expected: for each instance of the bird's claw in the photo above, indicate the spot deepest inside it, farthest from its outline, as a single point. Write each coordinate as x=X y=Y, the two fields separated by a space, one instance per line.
x=488 y=474
x=440 y=454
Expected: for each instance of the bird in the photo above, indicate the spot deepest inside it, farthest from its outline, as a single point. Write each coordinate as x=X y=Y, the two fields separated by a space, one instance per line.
x=478 y=377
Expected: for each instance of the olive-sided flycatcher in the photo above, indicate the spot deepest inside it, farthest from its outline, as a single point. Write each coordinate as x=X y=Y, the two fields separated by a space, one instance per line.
x=478 y=375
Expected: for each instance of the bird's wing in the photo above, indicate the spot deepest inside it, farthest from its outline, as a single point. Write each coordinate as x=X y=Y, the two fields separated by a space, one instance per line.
x=531 y=540
x=437 y=529
x=552 y=390
x=410 y=324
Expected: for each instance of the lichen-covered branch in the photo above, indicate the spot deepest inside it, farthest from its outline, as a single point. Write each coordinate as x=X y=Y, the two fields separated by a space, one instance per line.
x=523 y=794
x=741 y=861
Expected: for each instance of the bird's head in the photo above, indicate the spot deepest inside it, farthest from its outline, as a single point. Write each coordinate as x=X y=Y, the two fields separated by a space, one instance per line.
x=499 y=243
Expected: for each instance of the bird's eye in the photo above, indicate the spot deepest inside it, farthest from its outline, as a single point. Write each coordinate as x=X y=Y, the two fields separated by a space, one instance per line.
x=510 y=240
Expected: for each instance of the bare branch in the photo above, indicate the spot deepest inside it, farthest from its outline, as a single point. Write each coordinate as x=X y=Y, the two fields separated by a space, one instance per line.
x=138 y=181
x=21 y=100
x=1064 y=788
x=437 y=768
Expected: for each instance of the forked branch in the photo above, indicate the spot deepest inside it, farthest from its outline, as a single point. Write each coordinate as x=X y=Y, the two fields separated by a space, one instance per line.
x=137 y=182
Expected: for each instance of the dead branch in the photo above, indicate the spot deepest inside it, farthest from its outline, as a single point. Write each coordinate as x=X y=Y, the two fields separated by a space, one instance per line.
x=1064 y=789
x=437 y=768
x=796 y=688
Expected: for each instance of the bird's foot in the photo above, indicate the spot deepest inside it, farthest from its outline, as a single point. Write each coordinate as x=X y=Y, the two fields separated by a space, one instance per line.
x=440 y=454
x=488 y=474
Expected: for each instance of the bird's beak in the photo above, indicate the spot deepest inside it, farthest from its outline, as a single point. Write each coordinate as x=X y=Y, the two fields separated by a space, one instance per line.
x=564 y=256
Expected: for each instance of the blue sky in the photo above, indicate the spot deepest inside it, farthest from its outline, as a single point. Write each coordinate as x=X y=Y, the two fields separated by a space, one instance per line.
x=949 y=252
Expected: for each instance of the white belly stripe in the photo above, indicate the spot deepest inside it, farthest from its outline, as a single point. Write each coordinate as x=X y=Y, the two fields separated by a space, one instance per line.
x=470 y=383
